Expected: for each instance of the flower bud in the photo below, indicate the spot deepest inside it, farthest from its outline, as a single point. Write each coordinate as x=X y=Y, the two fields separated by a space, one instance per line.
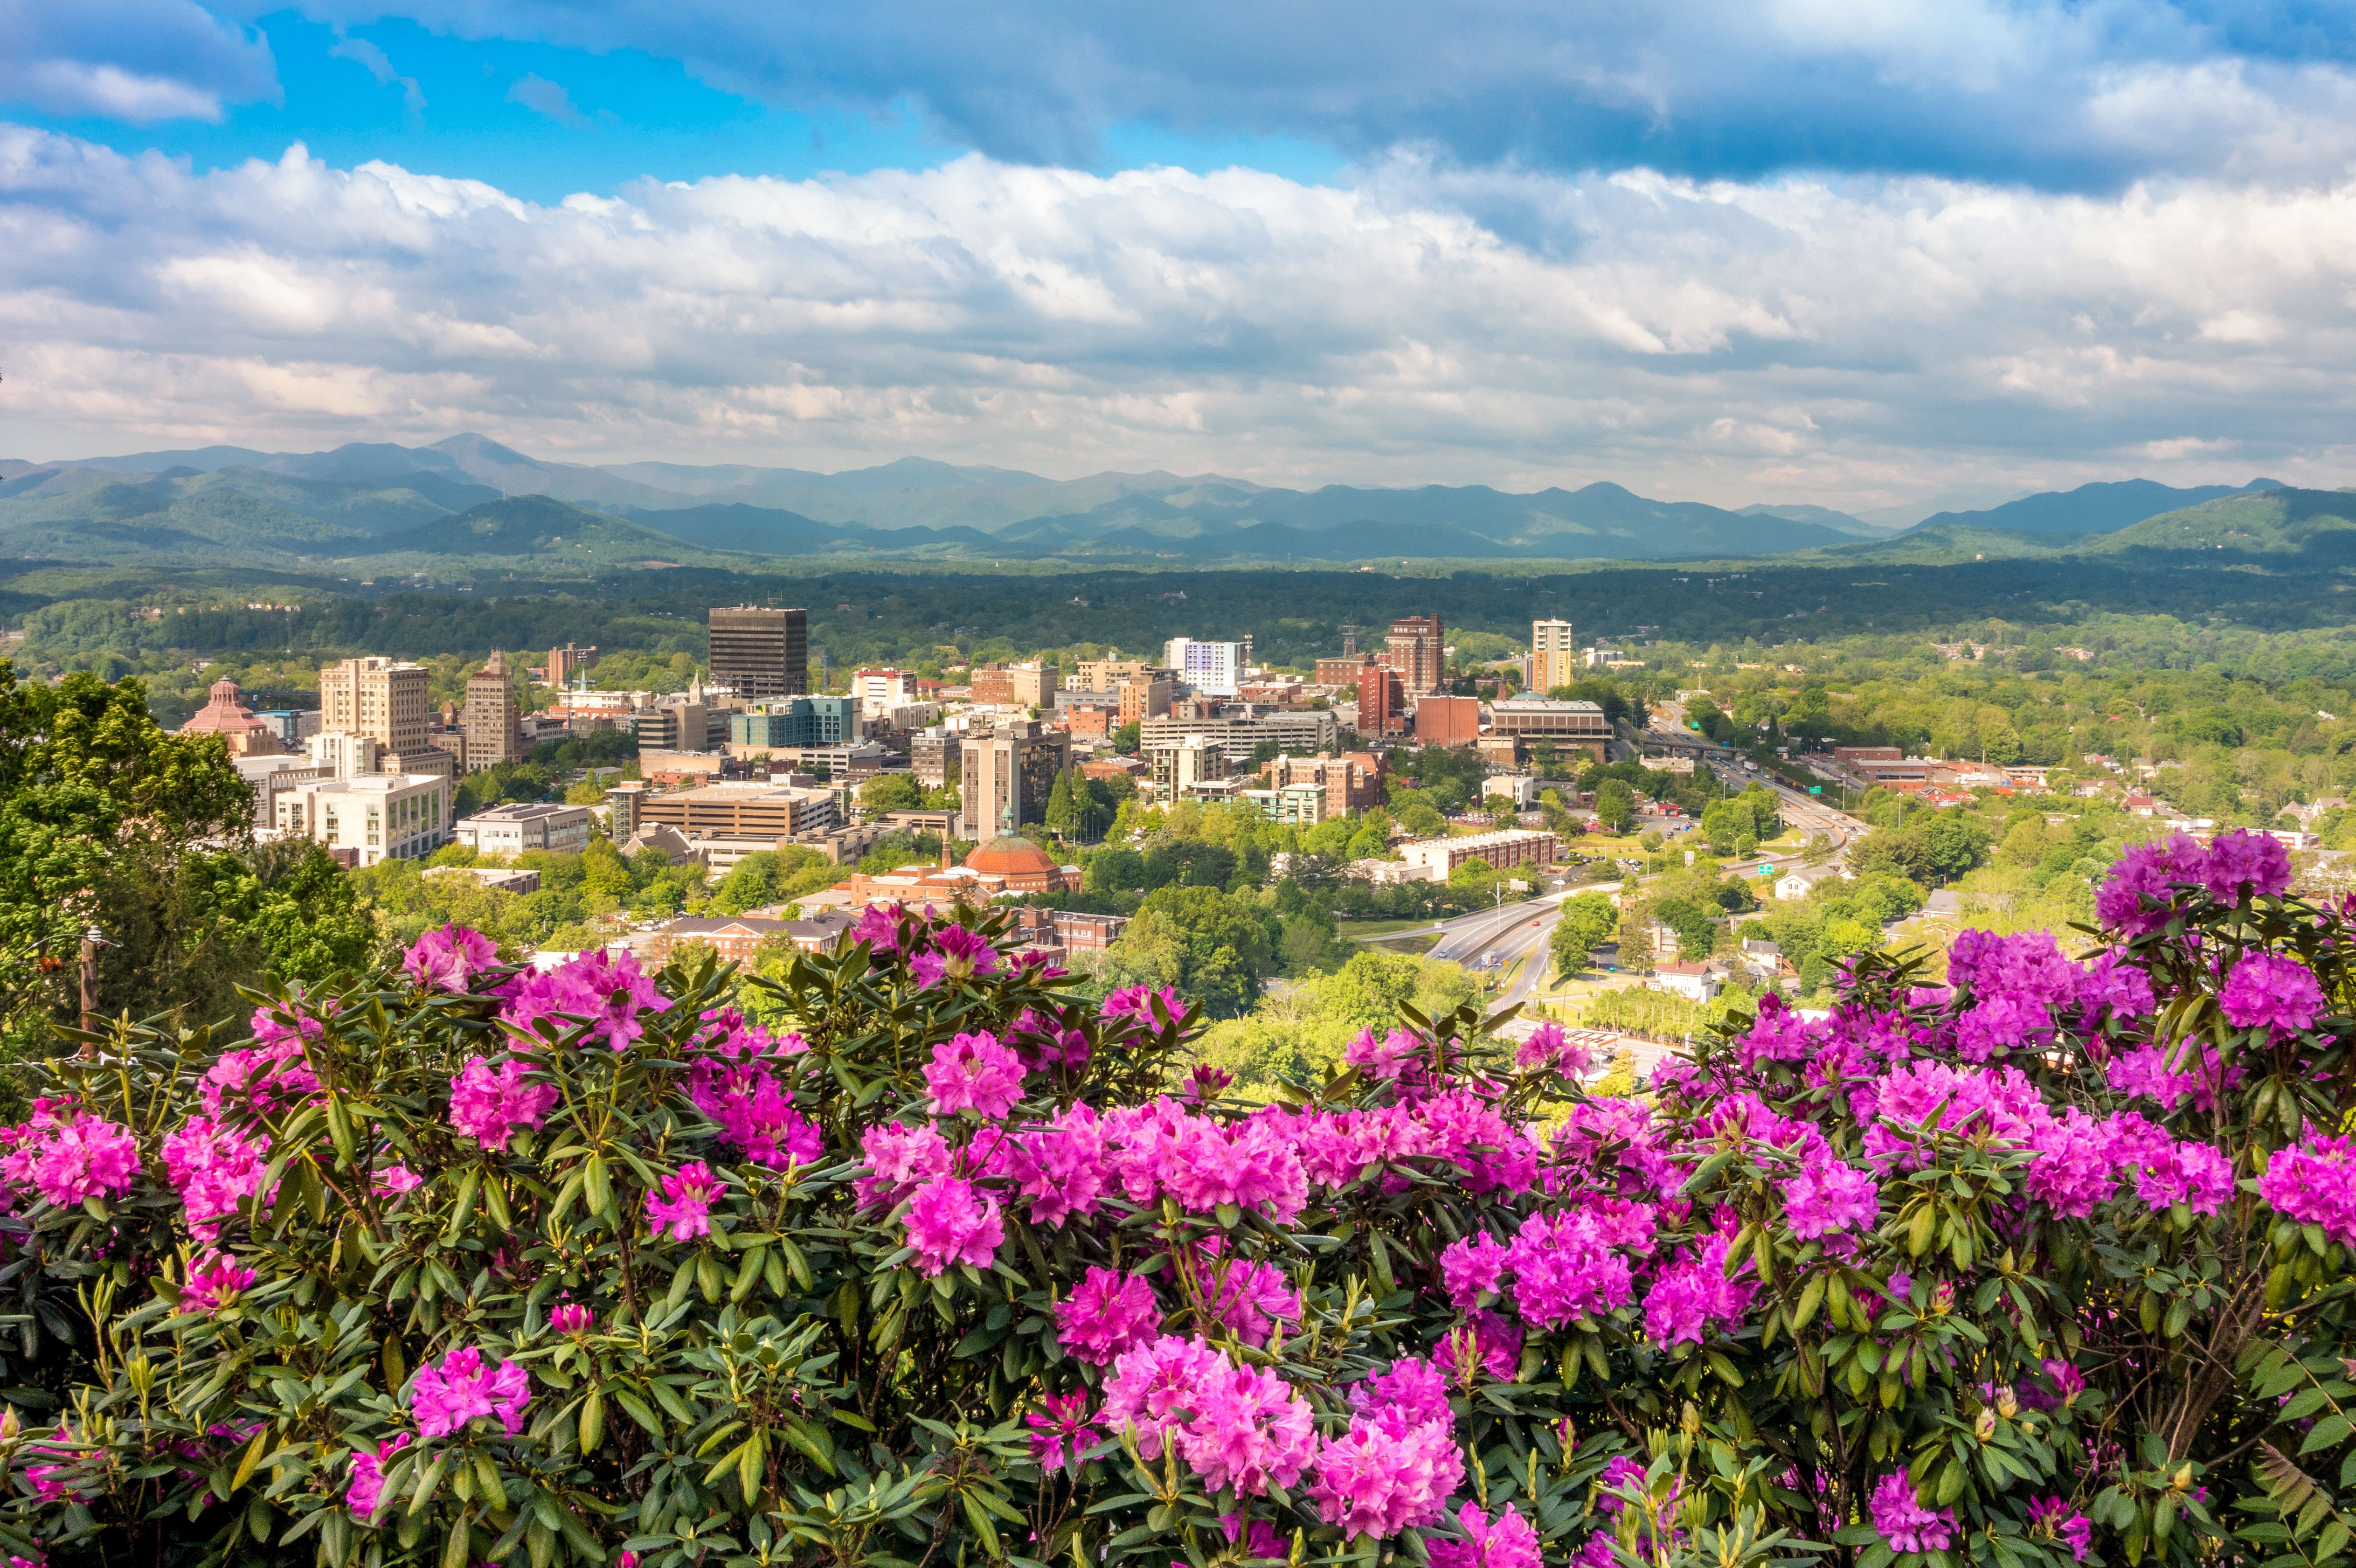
x=1983 y=1424
x=2008 y=1403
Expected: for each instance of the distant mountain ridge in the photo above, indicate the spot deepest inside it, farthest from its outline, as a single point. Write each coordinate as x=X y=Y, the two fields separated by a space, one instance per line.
x=387 y=504
x=2093 y=508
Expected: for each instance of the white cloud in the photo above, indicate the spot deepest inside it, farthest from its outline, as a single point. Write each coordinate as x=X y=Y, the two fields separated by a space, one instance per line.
x=549 y=99
x=136 y=60
x=1852 y=344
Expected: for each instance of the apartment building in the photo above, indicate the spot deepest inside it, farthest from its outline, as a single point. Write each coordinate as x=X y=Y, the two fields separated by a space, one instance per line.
x=1007 y=775
x=1351 y=782
x=1512 y=847
x=1553 y=661
x=1382 y=701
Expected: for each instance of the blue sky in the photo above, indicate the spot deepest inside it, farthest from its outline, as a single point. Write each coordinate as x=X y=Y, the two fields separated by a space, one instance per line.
x=1814 y=250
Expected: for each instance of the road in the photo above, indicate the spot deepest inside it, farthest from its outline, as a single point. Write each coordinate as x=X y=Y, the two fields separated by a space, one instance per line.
x=1491 y=940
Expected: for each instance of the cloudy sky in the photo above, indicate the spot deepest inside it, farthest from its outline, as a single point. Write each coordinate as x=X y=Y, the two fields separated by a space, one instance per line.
x=1831 y=251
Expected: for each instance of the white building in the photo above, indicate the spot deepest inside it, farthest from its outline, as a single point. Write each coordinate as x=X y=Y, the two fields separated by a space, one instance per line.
x=342 y=754
x=1690 y=981
x=514 y=828
x=1212 y=669
x=1518 y=787
x=1796 y=883
x=881 y=690
x=371 y=818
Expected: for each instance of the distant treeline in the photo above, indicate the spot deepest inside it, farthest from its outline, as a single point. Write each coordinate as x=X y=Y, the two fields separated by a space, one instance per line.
x=1292 y=616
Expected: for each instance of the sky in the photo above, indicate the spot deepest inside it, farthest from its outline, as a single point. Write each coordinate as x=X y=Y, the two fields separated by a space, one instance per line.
x=1830 y=252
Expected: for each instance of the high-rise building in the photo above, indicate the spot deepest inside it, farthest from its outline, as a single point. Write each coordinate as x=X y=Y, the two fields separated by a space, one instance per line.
x=1007 y=776
x=1213 y=669
x=565 y=663
x=493 y=731
x=386 y=702
x=1553 y=660
x=759 y=653
x=1381 y=703
x=1416 y=653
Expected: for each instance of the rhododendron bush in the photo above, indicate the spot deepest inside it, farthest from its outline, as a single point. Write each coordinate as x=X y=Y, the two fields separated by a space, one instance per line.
x=460 y=1263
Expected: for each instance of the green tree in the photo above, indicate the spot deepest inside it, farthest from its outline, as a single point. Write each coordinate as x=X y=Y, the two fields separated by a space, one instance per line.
x=1063 y=812
x=1586 y=923
x=1207 y=942
x=1615 y=805
x=890 y=792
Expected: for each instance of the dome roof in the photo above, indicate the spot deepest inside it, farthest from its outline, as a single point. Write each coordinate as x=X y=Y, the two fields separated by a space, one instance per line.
x=1010 y=854
x=223 y=714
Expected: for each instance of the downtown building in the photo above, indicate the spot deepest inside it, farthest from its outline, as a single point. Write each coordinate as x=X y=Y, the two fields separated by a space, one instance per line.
x=758 y=653
x=1553 y=660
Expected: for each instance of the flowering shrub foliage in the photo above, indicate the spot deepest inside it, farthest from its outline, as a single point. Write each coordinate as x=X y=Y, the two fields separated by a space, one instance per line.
x=455 y=1264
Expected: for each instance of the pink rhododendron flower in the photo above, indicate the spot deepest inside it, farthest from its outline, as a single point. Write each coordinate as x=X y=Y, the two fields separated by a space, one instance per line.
x=1474 y=1267
x=1250 y=1430
x=215 y=1170
x=956 y=954
x=683 y=1208
x=755 y=1113
x=214 y=1280
x=2268 y=989
x=1827 y=1198
x=1506 y=1541
x=2144 y=1072
x=904 y=1158
x=2243 y=862
x=1060 y=1432
x=1385 y=1474
x=1549 y=1047
x=366 y=1493
x=1902 y=1522
x=394 y=1179
x=878 y=929
x=1694 y=1293
x=2138 y=898
x=1060 y=1167
x=67 y=1155
x=1248 y=1298
x=1384 y=1058
x=974 y=1073
x=267 y=1078
x=1152 y=1386
x=1107 y=1315
x=487 y=1103
x=1139 y=1002
x=2315 y=1183
x=2065 y=1523
x=606 y=991
x=953 y=1221
x=571 y=1317
x=446 y=1397
x=449 y=958
x=1415 y=1387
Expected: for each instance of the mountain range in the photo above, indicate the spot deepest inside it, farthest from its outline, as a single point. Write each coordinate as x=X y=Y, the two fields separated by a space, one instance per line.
x=469 y=506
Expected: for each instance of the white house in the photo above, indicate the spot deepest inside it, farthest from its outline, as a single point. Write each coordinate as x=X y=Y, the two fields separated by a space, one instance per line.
x=1691 y=981
x=514 y=828
x=1796 y=883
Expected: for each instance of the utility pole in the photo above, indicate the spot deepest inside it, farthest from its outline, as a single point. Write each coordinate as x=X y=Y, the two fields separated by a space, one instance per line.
x=90 y=989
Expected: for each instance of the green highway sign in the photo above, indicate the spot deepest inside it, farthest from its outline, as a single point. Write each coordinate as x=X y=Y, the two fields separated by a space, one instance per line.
x=1816 y=788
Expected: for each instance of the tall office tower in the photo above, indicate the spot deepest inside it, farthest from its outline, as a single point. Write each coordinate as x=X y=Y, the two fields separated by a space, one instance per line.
x=1415 y=652
x=381 y=699
x=1553 y=661
x=490 y=724
x=759 y=653
x=1007 y=776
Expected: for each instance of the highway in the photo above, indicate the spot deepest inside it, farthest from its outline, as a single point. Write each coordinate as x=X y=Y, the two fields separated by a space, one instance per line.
x=1490 y=941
